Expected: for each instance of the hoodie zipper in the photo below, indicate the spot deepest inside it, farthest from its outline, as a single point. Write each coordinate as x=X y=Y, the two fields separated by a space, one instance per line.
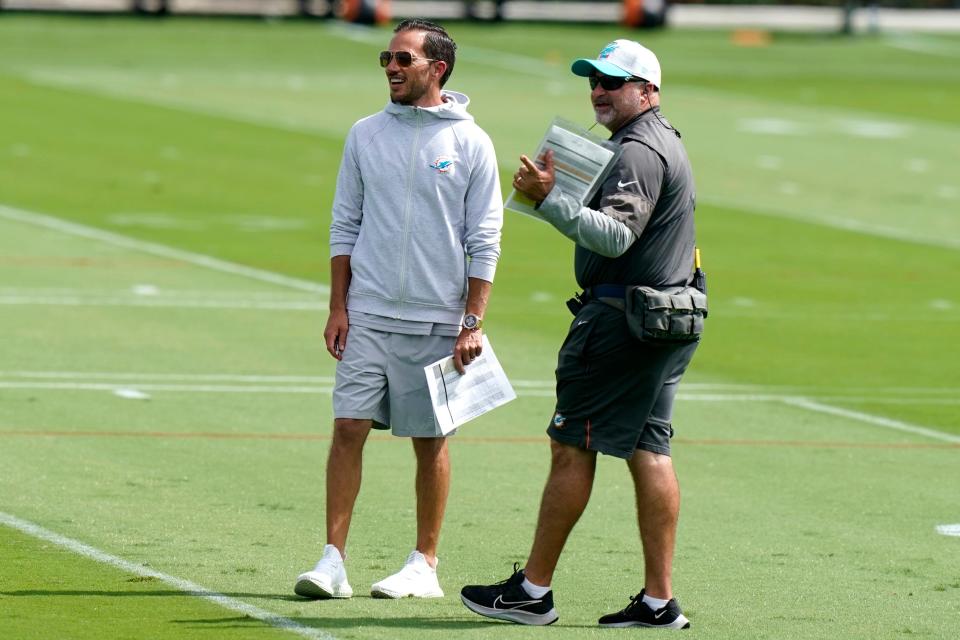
x=411 y=172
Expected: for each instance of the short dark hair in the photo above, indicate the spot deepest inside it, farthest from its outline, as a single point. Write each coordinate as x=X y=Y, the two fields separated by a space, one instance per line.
x=437 y=43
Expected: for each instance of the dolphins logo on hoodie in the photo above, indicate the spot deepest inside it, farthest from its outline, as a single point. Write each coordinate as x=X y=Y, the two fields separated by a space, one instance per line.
x=443 y=164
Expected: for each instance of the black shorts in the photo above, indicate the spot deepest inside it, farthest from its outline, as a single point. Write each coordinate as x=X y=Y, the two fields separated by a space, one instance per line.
x=615 y=393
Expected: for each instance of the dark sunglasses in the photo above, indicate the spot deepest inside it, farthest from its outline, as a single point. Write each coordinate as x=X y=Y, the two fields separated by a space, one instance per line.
x=611 y=83
x=403 y=58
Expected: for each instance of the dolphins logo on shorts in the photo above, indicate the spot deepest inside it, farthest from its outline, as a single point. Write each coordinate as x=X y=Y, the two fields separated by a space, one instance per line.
x=558 y=420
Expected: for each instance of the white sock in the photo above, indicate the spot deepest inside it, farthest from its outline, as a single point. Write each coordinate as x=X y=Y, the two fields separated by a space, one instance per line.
x=654 y=603
x=535 y=591
x=331 y=551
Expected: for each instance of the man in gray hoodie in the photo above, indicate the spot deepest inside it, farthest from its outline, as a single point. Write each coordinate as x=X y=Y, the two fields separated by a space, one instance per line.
x=414 y=245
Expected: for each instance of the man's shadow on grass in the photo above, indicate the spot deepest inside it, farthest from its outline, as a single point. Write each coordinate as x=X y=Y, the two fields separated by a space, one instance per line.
x=390 y=619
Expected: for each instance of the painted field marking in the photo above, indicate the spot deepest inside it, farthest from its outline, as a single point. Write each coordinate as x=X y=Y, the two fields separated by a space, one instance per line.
x=186 y=586
x=187 y=377
x=949 y=530
x=777 y=391
x=878 y=421
x=131 y=394
x=538 y=440
x=835 y=221
x=821 y=219
x=266 y=276
x=186 y=388
x=917 y=44
x=514 y=62
x=117 y=240
x=157 y=302
x=253 y=383
x=129 y=385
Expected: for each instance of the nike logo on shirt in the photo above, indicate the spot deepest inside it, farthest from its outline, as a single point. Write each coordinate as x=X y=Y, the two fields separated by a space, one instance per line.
x=621 y=185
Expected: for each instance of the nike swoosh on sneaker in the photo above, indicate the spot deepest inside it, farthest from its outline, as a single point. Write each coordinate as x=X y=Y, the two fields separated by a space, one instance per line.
x=621 y=185
x=657 y=616
x=513 y=605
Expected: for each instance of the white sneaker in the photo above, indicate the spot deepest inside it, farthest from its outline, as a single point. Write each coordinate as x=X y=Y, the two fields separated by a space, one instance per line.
x=417 y=579
x=327 y=580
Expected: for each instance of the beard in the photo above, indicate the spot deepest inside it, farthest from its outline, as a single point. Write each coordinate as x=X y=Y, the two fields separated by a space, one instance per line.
x=409 y=92
x=619 y=111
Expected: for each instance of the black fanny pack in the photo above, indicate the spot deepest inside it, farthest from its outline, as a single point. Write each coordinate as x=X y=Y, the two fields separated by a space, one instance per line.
x=663 y=315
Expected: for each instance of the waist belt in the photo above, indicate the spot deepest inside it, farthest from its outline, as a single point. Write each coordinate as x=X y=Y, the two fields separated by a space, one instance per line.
x=608 y=291
x=661 y=315
x=611 y=294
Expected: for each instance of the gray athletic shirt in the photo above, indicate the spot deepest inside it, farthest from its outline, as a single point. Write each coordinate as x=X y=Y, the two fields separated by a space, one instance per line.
x=639 y=227
x=650 y=190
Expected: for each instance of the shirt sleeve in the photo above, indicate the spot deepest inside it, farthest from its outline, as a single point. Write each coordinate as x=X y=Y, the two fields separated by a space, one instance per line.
x=347 y=202
x=629 y=196
x=483 y=213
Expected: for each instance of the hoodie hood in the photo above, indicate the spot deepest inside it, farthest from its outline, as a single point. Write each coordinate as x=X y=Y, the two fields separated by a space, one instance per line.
x=454 y=107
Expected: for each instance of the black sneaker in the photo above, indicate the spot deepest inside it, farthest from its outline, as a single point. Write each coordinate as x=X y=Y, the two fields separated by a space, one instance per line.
x=639 y=614
x=508 y=600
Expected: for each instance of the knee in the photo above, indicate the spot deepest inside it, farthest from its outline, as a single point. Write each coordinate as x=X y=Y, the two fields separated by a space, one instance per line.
x=349 y=435
x=430 y=449
x=564 y=456
x=650 y=459
x=648 y=467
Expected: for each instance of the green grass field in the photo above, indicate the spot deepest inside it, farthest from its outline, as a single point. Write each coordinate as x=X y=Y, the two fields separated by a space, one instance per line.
x=165 y=189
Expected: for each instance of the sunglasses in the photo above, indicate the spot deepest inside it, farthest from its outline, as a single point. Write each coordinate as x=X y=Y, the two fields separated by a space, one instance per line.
x=403 y=58
x=611 y=83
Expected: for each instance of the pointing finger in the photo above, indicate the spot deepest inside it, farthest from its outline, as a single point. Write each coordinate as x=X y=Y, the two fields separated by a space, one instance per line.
x=530 y=166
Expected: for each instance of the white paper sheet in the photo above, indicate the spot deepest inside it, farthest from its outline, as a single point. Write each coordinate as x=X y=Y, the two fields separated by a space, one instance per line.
x=581 y=160
x=460 y=398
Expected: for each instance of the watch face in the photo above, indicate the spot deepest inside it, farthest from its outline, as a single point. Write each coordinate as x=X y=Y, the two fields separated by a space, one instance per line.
x=471 y=321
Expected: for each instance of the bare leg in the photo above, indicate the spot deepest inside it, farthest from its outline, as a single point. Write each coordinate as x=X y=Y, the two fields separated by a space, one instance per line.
x=658 y=508
x=432 y=486
x=344 y=471
x=564 y=499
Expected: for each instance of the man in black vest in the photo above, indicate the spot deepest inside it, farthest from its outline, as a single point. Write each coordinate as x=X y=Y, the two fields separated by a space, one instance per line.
x=614 y=392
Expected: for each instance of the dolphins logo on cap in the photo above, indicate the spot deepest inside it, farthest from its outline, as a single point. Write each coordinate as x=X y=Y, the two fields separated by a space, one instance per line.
x=607 y=50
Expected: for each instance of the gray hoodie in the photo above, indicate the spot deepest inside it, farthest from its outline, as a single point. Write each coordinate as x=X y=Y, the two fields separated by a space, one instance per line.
x=419 y=210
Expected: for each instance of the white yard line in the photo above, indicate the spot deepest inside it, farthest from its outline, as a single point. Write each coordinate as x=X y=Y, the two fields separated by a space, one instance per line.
x=186 y=586
x=117 y=240
x=729 y=390
x=180 y=388
x=164 y=302
x=172 y=383
x=517 y=63
x=878 y=421
x=826 y=219
x=70 y=228
x=182 y=377
x=512 y=62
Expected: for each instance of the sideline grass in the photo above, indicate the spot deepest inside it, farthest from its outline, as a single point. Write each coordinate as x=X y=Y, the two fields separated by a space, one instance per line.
x=47 y=591
x=223 y=137
x=224 y=488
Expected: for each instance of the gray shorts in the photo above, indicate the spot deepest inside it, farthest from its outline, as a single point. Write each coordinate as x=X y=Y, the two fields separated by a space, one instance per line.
x=615 y=394
x=381 y=378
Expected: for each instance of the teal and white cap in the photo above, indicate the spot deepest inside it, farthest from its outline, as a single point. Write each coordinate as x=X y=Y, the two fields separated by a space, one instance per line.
x=622 y=59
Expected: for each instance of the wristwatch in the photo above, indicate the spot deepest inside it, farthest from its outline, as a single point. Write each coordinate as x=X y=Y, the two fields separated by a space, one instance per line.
x=472 y=322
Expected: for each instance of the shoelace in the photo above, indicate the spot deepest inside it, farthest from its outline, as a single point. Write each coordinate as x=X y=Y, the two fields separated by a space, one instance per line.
x=513 y=578
x=635 y=601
